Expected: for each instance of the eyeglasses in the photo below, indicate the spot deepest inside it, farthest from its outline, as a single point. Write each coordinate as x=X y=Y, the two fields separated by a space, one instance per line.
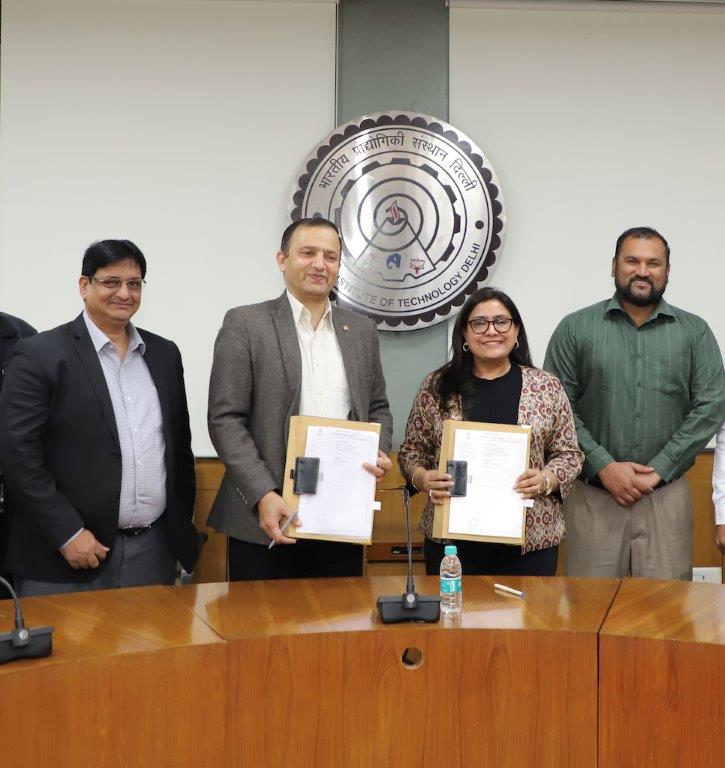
x=115 y=283
x=480 y=325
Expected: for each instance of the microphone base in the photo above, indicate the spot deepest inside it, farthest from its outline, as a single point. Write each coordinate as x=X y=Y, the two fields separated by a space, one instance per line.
x=39 y=644
x=393 y=610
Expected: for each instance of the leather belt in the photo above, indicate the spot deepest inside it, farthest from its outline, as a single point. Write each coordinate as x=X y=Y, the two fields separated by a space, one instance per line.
x=137 y=531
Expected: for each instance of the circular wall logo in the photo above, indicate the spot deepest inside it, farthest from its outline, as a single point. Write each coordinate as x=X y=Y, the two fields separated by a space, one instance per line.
x=420 y=211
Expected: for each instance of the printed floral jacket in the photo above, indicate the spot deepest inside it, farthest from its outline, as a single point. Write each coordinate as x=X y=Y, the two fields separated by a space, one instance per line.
x=545 y=407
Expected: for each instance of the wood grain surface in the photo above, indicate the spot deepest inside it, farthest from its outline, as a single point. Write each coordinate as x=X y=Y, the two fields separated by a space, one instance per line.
x=314 y=679
x=662 y=676
x=302 y=673
x=122 y=688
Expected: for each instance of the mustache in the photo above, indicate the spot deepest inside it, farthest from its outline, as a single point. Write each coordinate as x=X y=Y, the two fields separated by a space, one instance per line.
x=647 y=280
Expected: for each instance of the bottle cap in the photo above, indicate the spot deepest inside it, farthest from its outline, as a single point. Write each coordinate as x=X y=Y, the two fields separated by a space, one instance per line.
x=451 y=549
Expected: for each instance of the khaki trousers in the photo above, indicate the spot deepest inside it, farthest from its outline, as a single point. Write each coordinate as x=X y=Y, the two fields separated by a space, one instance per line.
x=652 y=538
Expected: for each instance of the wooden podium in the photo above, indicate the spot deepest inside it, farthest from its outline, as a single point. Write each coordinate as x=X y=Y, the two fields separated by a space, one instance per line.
x=662 y=676
x=124 y=687
x=314 y=678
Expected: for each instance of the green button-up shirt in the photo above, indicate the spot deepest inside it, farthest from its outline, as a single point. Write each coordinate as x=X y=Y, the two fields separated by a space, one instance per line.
x=653 y=394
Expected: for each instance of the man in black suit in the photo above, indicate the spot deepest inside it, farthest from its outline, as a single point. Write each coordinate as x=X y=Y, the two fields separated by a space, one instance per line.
x=12 y=329
x=95 y=443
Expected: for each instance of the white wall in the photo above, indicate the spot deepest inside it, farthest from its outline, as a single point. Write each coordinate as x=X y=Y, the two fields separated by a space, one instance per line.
x=595 y=122
x=179 y=125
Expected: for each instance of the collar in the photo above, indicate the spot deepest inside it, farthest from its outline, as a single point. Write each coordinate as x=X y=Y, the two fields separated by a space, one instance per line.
x=99 y=338
x=300 y=311
x=663 y=308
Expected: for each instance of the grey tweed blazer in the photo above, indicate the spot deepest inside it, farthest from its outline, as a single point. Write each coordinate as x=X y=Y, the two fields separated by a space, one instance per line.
x=254 y=389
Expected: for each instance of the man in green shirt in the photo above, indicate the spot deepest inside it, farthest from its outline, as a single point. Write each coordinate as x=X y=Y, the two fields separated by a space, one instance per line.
x=647 y=387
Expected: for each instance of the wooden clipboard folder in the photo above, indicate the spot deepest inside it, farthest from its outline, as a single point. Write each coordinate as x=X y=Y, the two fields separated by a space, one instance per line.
x=442 y=511
x=296 y=446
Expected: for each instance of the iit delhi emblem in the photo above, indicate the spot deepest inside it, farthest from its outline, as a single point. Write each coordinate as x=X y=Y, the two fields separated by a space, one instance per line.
x=420 y=211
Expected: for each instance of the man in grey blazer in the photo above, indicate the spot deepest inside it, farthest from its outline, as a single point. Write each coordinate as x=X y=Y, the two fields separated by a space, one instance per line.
x=296 y=354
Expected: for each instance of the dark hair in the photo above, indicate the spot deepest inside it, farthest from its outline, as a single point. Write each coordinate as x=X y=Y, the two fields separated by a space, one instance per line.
x=317 y=221
x=641 y=233
x=105 y=252
x=455 y=376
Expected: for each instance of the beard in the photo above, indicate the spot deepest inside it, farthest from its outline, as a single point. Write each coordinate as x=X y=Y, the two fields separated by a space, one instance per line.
x=625 y=293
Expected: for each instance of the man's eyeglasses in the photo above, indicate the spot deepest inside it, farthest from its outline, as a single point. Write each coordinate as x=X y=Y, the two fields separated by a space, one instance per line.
x=115 y=283
x=480 y=325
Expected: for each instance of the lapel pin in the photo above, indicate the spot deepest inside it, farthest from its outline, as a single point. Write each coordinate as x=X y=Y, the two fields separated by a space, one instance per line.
x=346 y=328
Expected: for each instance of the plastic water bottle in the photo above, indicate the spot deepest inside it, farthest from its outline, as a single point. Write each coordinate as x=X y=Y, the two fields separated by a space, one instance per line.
x=451 y=592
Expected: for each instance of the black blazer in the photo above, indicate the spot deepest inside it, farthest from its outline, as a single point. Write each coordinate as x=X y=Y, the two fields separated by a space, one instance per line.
x=12 y=329
x=60 y=452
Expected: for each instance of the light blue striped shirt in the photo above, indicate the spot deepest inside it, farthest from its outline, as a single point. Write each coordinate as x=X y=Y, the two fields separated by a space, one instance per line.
x=140 y=428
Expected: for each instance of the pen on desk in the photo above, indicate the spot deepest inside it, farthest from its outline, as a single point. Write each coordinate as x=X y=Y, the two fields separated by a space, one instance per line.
x=286 y=525
x=508 y=590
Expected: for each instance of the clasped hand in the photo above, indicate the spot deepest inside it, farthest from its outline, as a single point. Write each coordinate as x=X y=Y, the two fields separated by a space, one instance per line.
x=628 y=481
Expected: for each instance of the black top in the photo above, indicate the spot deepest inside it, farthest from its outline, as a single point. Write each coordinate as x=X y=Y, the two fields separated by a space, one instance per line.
x=495 y=401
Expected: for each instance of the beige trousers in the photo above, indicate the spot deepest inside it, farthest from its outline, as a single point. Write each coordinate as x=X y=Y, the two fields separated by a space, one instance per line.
x=652 y=538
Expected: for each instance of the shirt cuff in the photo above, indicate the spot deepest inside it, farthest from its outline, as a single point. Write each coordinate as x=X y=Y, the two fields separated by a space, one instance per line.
x=720 y=515
x=665 y=468
x=74 y=536
x=596 y=461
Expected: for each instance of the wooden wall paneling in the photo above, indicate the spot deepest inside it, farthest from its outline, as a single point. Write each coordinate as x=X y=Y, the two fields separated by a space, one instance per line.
x=699 y=478
x=212 y=564
x=389 y=540
x=389 y=524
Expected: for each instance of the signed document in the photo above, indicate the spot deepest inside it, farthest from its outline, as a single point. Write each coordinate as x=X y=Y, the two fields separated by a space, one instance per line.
x=496 y=454
x=343 y=504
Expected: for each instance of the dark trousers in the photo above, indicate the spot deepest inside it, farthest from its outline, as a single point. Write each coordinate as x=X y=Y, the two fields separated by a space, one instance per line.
x=305 y=559
x=134 y=561
x=483 y=559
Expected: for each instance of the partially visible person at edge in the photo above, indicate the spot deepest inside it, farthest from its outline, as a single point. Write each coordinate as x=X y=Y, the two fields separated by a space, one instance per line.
x=490 y=378
x=646 y=384
x=12 y=329
x=718 y=490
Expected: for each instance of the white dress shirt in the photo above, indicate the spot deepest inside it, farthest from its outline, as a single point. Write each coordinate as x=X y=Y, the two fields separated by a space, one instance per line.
x=325 y=391
x=718 y=478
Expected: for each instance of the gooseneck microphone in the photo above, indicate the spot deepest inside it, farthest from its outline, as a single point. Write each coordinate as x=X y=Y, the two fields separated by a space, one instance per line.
x=23 y=643
x=409 y=606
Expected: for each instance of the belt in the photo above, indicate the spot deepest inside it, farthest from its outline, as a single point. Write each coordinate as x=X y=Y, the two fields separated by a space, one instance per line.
x=137 y=531
x=595 y=482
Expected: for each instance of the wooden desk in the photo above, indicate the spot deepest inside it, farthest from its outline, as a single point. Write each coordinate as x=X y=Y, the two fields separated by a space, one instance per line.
x=314 y=679
x=123 y=687
x=662 y=676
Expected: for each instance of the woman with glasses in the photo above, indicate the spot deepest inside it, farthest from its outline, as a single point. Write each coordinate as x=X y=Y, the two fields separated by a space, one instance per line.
x=490 y=378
